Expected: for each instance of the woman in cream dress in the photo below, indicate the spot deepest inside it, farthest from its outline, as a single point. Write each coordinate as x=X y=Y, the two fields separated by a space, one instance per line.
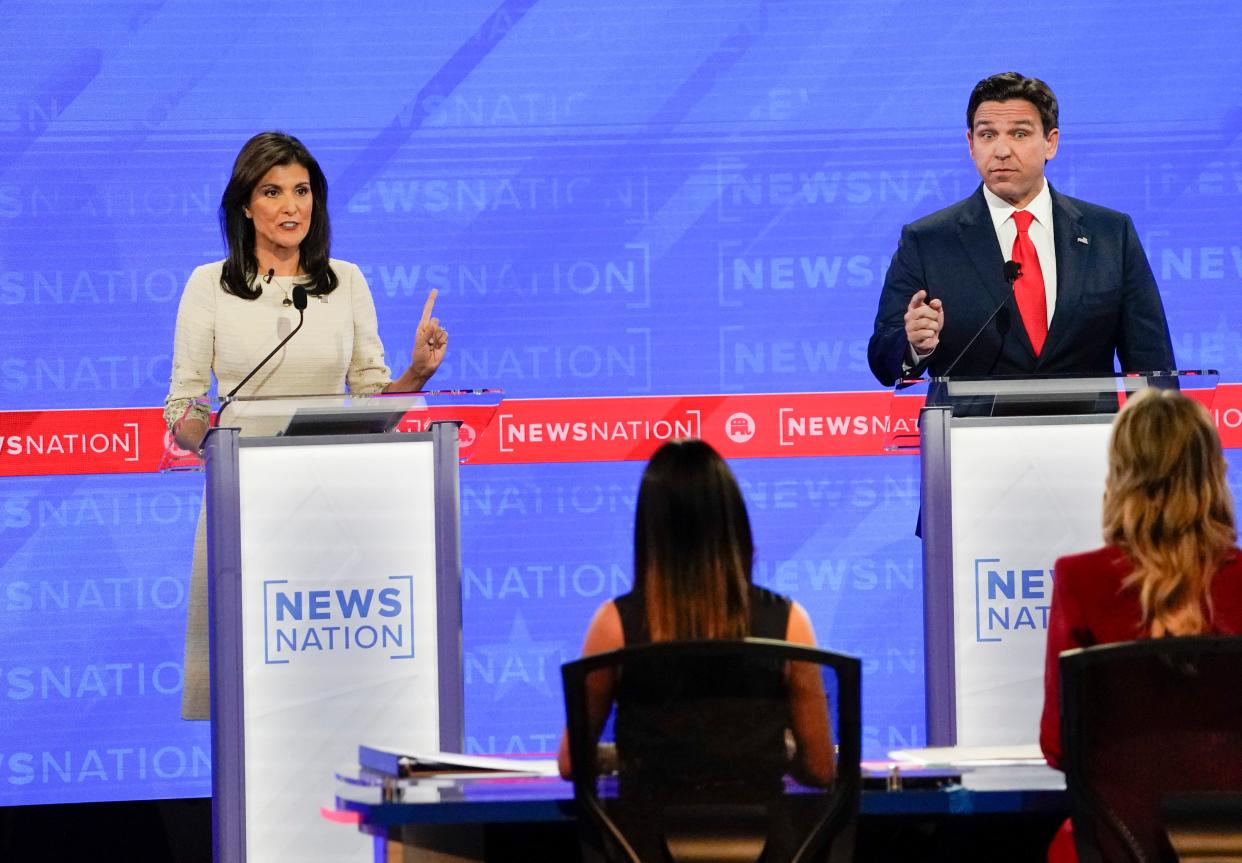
x=274 y=215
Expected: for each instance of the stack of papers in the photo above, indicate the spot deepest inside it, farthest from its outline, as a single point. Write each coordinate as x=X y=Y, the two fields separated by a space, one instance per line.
x=396 y=761
x=972 y=756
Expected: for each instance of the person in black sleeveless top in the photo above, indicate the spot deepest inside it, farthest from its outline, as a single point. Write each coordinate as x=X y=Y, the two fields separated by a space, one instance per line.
x=693 y=555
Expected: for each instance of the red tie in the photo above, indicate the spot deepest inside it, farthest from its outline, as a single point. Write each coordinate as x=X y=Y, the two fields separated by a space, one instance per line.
x=1029 y=288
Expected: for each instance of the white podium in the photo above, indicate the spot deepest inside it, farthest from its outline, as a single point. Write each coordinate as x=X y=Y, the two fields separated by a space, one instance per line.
x=1013 y=476
x=335 y=608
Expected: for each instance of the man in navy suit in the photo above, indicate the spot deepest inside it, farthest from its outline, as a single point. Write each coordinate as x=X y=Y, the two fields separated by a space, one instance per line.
x=1085 y=291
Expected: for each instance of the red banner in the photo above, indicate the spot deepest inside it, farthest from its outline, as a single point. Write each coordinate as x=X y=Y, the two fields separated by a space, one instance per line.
x=133 y=440
x=119 y=440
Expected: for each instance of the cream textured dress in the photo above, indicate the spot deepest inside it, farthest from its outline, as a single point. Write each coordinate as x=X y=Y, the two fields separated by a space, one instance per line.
x=226 y=336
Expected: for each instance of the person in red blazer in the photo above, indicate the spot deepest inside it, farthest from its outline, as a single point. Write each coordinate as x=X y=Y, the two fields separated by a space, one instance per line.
x=1170 y=565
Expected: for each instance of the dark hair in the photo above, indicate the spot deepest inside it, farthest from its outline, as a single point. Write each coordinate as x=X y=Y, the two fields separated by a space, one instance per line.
x=1012 y=85
x=693 y=551
x=259 y=155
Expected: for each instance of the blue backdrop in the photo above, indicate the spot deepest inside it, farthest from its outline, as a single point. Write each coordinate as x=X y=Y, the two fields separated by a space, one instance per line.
x=612 y=198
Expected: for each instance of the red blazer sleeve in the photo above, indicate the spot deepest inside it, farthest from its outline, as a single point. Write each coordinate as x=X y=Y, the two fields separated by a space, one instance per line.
x=1067 y=629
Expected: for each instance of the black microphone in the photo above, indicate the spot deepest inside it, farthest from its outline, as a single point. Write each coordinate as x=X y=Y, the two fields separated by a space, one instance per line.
x=1013 y=272
x=299 y=303
x=271 y=271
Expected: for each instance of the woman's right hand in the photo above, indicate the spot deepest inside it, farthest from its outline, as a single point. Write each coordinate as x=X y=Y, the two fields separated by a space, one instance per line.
x=189 y=433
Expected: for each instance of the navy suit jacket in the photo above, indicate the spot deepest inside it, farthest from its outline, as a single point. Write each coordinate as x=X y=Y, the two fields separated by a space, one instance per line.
x=1107 y=301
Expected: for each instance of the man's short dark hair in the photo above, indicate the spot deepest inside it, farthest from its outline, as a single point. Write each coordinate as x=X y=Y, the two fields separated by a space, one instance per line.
x=1012 y=85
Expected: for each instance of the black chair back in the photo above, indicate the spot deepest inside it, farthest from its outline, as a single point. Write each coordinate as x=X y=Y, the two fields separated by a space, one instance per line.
x=1145 y=724
x=702 y=768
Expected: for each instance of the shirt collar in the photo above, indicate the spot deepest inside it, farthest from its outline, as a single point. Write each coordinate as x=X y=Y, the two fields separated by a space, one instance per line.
x=1000 y=210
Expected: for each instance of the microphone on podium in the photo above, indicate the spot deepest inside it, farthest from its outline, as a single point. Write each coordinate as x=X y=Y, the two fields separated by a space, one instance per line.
x=299 y=303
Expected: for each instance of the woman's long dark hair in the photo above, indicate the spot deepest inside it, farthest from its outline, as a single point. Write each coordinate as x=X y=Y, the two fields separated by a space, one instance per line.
x=693 y=551
x=260 y=154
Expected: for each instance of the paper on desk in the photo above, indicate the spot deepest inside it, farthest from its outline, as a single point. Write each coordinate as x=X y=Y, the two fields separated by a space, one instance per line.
x=398 y=761
x=972 y=756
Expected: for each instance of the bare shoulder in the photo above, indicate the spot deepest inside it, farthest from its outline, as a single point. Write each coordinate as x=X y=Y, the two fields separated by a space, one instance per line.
x=799 y=629
x=604 y=632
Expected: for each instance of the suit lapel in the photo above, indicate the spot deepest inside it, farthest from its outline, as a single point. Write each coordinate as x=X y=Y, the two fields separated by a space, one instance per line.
x=978 y=236
x=1073 y=261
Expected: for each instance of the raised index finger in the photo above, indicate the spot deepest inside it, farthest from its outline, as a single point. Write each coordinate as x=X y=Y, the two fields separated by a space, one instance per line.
x=427 y=307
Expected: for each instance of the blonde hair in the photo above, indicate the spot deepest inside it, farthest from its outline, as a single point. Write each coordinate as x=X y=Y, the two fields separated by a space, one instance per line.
x=1168 y=506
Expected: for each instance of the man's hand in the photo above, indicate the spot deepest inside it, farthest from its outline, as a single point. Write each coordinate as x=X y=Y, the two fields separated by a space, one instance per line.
x=924 y=321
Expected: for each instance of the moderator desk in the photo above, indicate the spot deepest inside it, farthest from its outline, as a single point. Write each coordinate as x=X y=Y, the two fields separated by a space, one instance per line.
x=443 y=819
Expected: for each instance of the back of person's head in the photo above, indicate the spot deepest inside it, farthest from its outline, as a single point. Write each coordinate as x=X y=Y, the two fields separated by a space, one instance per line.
x=693 y=550
x=1167 y=504
x=1006 y=86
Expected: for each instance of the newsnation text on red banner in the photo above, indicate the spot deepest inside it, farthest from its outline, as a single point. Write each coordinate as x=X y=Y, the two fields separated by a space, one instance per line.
x=524 y=431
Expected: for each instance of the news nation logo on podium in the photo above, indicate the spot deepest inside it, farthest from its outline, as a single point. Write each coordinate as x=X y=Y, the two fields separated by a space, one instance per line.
x=305 y=623
x=1010 y=601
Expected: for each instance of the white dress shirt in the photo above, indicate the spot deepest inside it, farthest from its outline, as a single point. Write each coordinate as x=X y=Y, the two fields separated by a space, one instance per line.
x=1041 y=235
